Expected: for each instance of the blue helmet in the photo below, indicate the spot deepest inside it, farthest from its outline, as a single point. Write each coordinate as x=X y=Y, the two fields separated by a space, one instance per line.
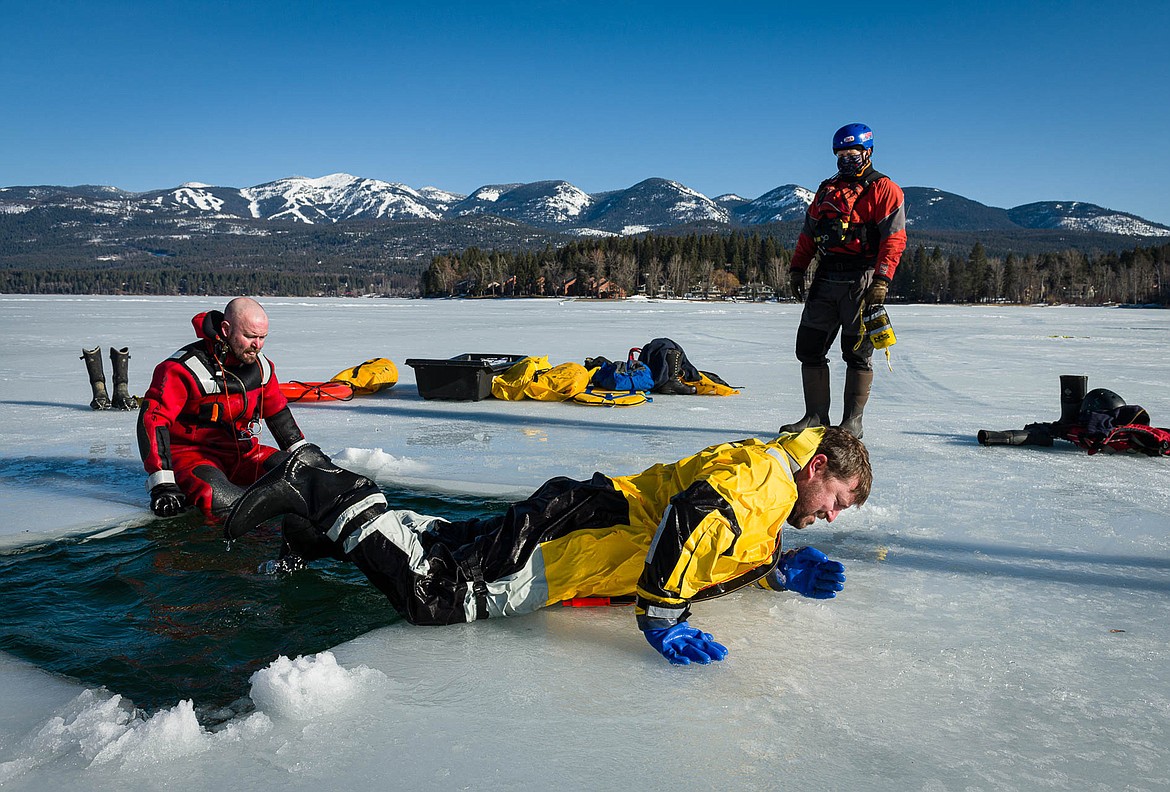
x=852 y=135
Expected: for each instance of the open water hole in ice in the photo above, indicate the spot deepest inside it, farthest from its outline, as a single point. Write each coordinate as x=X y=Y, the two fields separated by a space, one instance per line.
x=168 y=610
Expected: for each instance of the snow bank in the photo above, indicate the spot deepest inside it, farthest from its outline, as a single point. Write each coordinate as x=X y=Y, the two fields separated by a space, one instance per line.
x=98 y=728
x=376 y=464
x=308 y=686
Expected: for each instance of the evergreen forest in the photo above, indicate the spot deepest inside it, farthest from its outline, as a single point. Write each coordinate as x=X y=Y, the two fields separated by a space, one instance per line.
x=484 y=256
x=753 y=266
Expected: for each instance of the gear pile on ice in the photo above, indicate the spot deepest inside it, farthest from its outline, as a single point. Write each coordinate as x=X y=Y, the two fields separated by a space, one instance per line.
x=119 y=367
x=669 y=370
x=1099 y=420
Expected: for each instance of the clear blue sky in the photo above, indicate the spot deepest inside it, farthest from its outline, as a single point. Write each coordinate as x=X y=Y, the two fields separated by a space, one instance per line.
x=1002 y=102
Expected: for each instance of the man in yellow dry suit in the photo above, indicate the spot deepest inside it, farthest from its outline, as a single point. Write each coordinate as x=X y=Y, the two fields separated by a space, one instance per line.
x=671 y=535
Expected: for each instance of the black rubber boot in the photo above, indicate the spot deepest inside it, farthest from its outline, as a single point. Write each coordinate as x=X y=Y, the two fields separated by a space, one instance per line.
x=857 y=386
x=306 y=484
x=119 y=370
x=1072 y=393
x=1015 y=437
x=816 y=399
x=302 y=540
x=674 y=382
x=97 y=378
x=302 y=544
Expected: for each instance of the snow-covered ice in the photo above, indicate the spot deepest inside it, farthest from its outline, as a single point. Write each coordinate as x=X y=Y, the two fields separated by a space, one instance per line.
x=1005 y=625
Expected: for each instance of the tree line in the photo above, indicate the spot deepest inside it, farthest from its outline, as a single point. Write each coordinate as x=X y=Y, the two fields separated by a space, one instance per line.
x=1137 y=276
x=175 y=281
x=666 y=265
x=751 y=265
x=1026 y=267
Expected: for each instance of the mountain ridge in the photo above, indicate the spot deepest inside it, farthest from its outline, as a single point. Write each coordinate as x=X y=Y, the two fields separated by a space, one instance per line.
x=552 y=205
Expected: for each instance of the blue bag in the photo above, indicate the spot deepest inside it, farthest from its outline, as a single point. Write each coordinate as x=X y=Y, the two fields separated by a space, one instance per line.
x=627 y=375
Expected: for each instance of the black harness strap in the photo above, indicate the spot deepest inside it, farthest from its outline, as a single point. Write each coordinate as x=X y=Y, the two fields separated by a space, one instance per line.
x=478 y=585
x=829 y=231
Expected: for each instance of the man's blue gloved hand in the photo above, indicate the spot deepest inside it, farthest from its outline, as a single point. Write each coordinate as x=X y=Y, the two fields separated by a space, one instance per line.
x=809 y=572
x=683 y=644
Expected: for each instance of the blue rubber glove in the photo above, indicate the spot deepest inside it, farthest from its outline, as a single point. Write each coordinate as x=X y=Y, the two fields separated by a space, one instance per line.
x=809 y=572
x=683 y=644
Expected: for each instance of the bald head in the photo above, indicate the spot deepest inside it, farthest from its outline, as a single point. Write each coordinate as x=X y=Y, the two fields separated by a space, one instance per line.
x=244 y=327
x=242 y=307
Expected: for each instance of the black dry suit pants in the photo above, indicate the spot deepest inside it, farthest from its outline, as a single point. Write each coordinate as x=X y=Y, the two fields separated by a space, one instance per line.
x=834 y=305
x=439 y=572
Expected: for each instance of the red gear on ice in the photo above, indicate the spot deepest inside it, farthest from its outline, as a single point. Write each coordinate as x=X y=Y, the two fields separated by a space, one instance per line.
x=1137 y=438
x=200 y=420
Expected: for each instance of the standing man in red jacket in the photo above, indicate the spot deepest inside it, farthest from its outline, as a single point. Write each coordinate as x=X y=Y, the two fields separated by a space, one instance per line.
x=200 y=419
x=856 y=228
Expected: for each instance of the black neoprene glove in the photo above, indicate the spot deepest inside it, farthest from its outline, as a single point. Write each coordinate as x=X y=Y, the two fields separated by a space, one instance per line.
x=167 y=500
x=796 y=281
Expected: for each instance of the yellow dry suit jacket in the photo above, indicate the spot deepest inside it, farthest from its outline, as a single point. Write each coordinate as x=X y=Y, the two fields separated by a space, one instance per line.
x=698 y=528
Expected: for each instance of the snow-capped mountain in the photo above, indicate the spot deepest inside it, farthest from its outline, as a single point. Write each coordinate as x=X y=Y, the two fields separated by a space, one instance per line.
x=440 y=198
x=46 y=192
x=730 y=200
x=543 y=207
x=100 y=200
x=545 y=204
x=787 y=203
x=653 y=203
x=339 y=196
x=482 y=201
x=1078 y=216
x=194 y=198
x=934 y=209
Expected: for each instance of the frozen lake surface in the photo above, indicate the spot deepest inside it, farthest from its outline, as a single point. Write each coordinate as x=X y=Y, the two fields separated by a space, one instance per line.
x=1005 y=625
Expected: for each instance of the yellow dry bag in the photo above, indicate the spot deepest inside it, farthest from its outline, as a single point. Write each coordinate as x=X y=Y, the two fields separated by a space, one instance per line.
x=370 y=377
x=879 y=330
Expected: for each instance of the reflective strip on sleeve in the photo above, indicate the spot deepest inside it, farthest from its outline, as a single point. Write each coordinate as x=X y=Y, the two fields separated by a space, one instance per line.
x=159 y=477
x=661 y=612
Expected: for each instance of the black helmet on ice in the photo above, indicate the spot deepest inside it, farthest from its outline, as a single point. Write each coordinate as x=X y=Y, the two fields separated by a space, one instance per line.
x=1101 y=400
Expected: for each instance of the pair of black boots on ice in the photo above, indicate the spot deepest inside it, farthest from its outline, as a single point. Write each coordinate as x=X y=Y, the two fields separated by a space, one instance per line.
x=119 y=367
x=1072 y=402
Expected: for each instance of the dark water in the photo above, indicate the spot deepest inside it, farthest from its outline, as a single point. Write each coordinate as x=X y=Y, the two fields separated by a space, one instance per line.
x=168 y=610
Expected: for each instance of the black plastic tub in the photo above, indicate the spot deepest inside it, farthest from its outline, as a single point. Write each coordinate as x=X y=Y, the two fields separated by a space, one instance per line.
x=466 y=377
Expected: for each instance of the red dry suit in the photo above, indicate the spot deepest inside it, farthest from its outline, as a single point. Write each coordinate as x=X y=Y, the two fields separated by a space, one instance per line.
x=855 y=224
x=200 y=420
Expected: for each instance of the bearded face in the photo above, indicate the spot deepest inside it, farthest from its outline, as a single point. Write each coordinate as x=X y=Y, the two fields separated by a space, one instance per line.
x=245 y=338
x=819 y=496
